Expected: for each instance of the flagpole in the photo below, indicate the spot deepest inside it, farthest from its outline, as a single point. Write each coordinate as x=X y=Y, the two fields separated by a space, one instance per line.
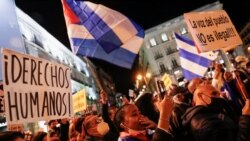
x=241 y=86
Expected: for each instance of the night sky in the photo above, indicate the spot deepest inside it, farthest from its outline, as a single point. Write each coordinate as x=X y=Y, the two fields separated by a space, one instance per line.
x=146 y=13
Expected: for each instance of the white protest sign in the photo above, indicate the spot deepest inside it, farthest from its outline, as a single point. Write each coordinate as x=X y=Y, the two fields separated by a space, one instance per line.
x=79 y=101
x=35 y=89
x=212 y=30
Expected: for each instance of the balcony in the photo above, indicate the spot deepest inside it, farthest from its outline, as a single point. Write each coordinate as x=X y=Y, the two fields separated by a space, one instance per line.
x=171 y=51
x=158 y=56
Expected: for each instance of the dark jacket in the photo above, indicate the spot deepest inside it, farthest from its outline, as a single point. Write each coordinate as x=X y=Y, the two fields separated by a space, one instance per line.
x=175 y=121
x=113 y=133
x=207 y=124
x=64 y=132
x=159 y=135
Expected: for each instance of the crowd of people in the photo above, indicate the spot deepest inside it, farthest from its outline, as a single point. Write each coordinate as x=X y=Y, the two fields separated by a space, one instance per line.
x=213 y=108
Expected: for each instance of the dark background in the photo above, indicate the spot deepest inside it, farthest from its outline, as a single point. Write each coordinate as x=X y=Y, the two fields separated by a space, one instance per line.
x=147 y=13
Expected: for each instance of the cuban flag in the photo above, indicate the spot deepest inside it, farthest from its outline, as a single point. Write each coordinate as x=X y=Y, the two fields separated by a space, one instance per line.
x=194 y=64
x=100 y=32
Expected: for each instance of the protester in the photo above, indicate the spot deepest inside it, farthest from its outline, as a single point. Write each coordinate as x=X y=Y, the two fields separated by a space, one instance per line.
x=243 y=80
x=218 y=80
x=52 y=127
x=192 y=85
x=146 y=106
x=132 y=125
x=11 y=136
x=93 y=128
x=108 y=114
x=75 y=129
x=209 y=121
x=182 y=101
x=64 y=129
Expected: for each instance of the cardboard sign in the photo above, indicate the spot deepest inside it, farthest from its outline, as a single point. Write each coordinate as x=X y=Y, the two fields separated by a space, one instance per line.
x=212 y=30
x=166 y=80
x=35 y=89
x=80 y=101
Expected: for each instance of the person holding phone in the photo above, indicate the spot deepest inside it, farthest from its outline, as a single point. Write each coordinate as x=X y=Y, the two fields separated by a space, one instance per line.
x=182 y=101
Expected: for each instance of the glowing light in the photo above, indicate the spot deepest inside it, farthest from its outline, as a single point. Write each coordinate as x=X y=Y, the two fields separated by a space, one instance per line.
x=139 y=77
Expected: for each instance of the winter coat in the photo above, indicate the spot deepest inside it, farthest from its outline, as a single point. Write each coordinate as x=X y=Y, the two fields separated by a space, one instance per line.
x=208 y=124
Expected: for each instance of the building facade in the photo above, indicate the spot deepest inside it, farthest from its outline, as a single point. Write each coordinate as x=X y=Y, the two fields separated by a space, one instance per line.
x=245 y=36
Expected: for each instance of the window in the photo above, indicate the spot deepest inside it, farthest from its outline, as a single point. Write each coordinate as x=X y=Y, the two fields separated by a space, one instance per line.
x=168 y=50
x=152 y=42
x=183 y=30
x=164 y=37
x=157 y=55
x=174 y=63
x=162 y=67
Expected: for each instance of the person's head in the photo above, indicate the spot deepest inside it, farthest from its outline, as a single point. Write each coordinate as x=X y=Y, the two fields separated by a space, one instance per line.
x=94 y=126
x=52 y=124
x=52 y=134
x=241 y=61
x=180 y=95
x=40 y=136
x=11 y=136
x=112 y=110
x=228 y=76
x=75 y=129
x=204 y=93
x=128 y=117
x=192 y=85
x=147 y=106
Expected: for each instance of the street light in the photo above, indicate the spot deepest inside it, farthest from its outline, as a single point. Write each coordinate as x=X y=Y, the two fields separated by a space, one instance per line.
x=142 y=80
x=139 y=77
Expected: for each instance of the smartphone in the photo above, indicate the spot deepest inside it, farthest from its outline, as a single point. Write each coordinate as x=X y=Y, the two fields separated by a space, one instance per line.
x=161 y=88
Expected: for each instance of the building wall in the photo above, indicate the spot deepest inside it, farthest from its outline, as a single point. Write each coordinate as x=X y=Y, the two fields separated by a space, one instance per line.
x=245 y=36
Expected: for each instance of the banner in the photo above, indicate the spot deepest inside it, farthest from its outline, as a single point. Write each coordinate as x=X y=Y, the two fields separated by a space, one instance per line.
x=80 y=101
x=212 y=30
x=35 y=89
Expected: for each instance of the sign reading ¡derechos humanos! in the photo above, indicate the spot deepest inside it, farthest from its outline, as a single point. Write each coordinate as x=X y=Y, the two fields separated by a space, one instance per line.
x=212 y=30
x=35 y=89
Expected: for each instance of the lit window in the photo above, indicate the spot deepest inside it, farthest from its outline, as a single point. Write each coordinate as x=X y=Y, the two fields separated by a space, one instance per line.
x=152 y=42
x=183 y=30
x=164 y=37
